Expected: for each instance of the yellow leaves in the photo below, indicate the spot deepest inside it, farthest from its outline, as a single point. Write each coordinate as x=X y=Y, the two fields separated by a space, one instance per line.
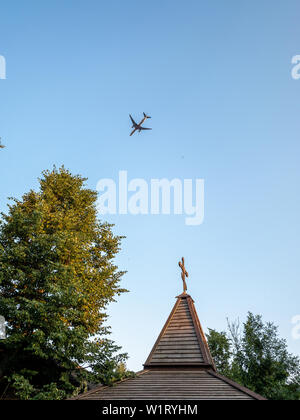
x=80 y=249
x=65 y=321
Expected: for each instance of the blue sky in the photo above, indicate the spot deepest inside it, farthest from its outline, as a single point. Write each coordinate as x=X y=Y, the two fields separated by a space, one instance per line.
x=216 y=78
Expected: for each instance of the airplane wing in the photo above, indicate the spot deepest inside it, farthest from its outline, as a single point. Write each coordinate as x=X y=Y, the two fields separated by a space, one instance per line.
x=144 y=128
x=132 y=120
x=133 y=132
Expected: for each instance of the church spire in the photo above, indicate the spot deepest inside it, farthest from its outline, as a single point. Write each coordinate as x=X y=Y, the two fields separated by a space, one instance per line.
x=182 y=341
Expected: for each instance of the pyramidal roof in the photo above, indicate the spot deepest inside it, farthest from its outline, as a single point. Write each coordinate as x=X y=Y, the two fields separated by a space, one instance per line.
x=181 y=341
x=179 y=367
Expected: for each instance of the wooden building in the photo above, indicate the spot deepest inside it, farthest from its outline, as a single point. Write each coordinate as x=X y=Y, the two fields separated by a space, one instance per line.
x=179 y=367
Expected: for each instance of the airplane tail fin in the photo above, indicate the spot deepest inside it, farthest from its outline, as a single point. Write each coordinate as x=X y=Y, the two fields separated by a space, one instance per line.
x=146 y=116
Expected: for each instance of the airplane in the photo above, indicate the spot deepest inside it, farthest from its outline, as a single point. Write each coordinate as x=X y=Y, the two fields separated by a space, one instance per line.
x=138 y=127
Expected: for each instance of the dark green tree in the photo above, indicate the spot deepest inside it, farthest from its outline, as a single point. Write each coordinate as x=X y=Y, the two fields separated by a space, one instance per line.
x=256 y=357
x=220 y=347
x=57 y=277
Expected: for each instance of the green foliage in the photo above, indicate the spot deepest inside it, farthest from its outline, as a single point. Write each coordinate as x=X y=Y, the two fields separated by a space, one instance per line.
x=220 y=348
x=56 y=278
x=257 y=358
x=23 y=388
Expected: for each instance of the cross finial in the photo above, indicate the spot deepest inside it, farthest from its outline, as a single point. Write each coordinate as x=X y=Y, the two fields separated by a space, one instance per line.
x=184 y=274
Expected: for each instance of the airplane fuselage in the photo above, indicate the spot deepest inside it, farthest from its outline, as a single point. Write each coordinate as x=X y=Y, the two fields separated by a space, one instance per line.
x=138 y=126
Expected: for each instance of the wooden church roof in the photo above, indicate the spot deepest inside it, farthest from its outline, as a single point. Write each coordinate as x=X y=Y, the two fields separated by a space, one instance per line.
x=179 y=367
x=181 y=341
x=176 y=384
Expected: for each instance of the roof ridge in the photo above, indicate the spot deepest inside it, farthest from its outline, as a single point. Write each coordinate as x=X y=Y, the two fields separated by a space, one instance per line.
x=201 y=336
x=236 y=385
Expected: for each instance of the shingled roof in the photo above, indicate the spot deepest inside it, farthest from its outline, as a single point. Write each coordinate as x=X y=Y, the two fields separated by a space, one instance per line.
x=181 y=341
x=179 y=384
x=179 y=367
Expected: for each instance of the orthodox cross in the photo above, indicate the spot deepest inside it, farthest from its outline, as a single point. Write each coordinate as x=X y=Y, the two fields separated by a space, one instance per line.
x=184 y=274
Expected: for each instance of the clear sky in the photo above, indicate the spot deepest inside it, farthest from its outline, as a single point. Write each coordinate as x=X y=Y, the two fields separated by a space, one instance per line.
x=216 y=79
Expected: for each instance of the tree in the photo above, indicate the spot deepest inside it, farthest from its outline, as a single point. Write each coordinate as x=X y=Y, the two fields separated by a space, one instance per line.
x=257 y=358
x=57 y=277
x=220 y=348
